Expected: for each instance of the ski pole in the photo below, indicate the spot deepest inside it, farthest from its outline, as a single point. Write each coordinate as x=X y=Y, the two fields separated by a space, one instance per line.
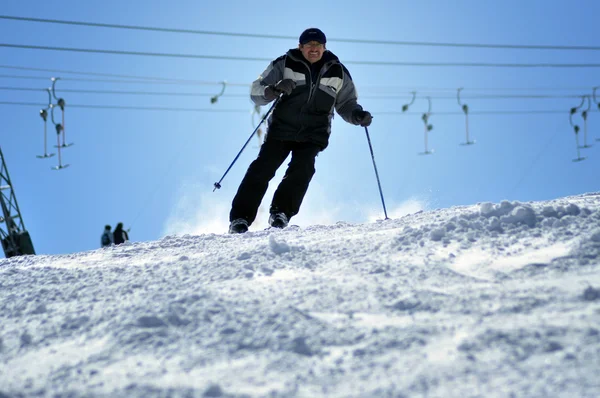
x=376 y=173
x=218 y=184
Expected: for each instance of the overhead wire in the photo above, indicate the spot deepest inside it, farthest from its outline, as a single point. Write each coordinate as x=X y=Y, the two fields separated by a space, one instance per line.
x=137 y=78
x=122 y=92
x=218 y=110
x=286 y=37
x=119 y=52
x=90 y=80
x=167 y=80
x=265 y=59
x=143 y=79
x=127 y=107
x=245 y=95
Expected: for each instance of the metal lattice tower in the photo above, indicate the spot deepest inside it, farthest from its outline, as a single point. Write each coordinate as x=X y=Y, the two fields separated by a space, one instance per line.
x=15 y=239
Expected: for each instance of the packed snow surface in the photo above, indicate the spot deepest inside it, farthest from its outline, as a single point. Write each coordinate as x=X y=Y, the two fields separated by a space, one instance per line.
x=489 y=300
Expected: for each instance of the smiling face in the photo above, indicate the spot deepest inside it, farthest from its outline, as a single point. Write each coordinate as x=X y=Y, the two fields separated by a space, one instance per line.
x=312 y=51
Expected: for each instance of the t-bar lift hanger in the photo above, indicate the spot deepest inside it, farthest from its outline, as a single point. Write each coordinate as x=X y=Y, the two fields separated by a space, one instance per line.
x=44 y=116
x=61 y=103
x=576 y=130
x=215 y=98
x=465 y=109
x=428 y=127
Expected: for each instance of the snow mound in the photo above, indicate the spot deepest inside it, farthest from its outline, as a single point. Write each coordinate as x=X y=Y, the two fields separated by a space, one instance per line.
x=489 y=300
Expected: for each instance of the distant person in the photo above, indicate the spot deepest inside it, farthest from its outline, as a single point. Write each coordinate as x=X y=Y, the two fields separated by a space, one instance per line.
x=107 y=237
x=120 y=235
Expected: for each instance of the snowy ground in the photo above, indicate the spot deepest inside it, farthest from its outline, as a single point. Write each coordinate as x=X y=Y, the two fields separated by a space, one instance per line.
x=489 y=300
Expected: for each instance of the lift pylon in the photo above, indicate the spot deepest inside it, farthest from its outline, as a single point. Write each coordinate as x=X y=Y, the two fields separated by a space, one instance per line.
x=15 y=239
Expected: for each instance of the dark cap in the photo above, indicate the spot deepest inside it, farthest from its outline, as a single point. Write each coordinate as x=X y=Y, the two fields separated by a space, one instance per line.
x=313 y=34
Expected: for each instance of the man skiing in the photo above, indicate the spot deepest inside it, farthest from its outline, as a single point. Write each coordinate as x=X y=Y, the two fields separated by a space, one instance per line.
x=308 y=83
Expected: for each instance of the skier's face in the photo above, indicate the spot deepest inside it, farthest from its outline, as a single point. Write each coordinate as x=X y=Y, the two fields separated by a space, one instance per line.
x=312 y=51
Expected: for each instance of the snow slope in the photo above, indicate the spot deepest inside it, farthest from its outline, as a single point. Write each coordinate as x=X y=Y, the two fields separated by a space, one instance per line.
x=488 y=300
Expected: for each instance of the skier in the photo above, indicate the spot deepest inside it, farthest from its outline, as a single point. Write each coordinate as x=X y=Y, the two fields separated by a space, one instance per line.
x=106 y=239
x=310 y=82
x=120 y=235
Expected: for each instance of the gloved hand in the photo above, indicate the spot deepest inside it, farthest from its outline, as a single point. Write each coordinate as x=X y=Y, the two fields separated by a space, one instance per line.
x=284 y=86
x=363 y=118
x=270 y=93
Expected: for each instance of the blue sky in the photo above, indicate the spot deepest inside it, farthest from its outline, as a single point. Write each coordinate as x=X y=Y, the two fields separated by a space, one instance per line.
x=154 y=170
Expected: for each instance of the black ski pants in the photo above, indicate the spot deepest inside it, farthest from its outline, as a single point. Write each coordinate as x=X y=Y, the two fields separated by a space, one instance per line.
x=290 y=192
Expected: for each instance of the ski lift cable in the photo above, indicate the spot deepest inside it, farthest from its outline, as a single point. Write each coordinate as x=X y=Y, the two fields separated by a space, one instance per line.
x=265 y=59
x=284 y=37
x=245 y=95
x=121 y=81
x=137 y=78
x=125 y=92
x=165 y=80
x=125 y=107
x=388 y=113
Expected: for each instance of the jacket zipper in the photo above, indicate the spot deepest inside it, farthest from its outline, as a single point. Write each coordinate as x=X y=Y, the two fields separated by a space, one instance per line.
x=313 y=85
x=312 y=88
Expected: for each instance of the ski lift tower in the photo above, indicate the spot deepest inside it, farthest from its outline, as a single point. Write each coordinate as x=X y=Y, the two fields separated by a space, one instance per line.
x=15 y=239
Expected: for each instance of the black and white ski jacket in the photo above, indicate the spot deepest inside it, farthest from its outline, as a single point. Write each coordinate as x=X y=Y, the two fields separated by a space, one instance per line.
x=305 y=115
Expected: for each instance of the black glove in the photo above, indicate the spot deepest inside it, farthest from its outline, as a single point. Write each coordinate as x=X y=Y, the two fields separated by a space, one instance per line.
x=284 y=86
x=361 y=117
x=270 y=93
